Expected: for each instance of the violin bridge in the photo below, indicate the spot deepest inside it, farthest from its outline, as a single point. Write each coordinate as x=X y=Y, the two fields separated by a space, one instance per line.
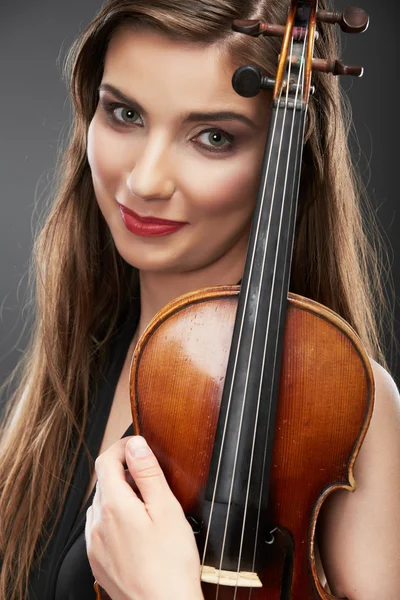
x=231 y=578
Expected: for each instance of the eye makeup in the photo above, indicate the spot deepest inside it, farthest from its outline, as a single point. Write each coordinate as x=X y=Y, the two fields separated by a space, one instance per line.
x=213 y=135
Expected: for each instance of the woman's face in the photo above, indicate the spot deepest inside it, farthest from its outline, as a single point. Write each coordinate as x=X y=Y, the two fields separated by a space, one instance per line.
x=171 y=140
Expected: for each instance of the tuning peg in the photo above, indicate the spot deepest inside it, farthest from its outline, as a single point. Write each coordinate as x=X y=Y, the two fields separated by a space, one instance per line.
x=351 y=20
x=255 y=28
x=336 y=67
x=329 y=66
x=248 y=81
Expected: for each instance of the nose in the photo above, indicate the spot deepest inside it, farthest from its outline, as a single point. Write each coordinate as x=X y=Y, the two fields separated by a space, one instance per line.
x=152 y=177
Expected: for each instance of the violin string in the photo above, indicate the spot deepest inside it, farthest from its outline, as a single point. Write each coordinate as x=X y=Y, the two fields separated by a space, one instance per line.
x=230 y=395
x=234 y=371
x=269 y=313
x=268 y=320
x=247 y=374
x=300 y=85
x=250 y=354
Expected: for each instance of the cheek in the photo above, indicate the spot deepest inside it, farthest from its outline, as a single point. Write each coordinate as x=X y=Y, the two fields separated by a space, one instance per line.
x=223 y=186
x=105 y=157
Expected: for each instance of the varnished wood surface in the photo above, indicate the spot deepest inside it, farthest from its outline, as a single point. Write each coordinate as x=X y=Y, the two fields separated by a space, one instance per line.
x=310 y=50
x=325 y=404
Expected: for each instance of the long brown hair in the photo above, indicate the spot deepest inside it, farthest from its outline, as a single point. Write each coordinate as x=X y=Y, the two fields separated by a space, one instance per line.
x=83 y=285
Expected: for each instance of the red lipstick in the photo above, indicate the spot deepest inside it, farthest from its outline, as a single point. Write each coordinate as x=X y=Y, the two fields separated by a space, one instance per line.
x=148 y=226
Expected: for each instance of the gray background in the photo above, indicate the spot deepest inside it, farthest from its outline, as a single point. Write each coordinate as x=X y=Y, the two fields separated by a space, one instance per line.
x=34 y=112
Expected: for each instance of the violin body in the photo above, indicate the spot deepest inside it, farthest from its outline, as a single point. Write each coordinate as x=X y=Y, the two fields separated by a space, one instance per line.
x=325 y=403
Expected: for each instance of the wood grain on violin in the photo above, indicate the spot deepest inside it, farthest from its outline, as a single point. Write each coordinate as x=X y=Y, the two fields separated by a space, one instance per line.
x=325 y=403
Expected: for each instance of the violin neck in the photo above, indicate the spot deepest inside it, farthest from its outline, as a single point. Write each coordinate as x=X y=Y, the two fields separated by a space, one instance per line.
x=244 y=438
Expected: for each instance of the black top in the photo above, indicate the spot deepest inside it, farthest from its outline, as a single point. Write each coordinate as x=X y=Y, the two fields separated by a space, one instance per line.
x=64 y=572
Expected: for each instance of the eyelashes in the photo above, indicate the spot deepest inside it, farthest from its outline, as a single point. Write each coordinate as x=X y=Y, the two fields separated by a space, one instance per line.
x=123 y=116
x=110 y=109
x=216 y=136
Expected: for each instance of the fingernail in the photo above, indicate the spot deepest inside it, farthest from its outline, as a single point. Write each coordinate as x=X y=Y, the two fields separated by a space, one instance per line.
x=137 y=446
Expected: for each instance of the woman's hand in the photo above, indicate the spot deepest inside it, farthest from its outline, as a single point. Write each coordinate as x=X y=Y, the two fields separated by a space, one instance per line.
x=139 y=549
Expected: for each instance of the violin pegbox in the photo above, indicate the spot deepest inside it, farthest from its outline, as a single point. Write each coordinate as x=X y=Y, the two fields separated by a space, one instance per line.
x=296 y=61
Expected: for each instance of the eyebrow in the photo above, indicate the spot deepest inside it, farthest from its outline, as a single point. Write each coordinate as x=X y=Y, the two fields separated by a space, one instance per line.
x=223 y=115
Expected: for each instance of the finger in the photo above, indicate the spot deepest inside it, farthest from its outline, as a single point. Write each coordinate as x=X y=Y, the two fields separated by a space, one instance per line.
x=88 y=524
x=96 y=504
x=130 y=481
x=110 y=469
x=147 y=473
x=89 y=533
x=92 y=557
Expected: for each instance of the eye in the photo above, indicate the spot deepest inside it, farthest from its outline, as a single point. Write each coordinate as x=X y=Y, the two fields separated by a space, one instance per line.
x=215 y=140
x=126 y=115
x=119 y=114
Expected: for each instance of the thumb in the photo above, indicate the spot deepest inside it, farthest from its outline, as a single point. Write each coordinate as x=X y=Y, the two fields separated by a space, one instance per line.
x=146 y=471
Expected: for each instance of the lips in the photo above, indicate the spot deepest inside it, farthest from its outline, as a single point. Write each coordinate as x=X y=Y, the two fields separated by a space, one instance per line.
x=148 y=226
x=154 y=220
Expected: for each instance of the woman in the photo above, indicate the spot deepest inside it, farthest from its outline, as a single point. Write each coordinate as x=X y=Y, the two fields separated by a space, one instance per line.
x=152 y=139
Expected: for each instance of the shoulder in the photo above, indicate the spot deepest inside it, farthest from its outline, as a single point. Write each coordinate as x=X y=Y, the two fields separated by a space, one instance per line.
x=378 y=463
x=387 y=397
x=361 y=530
x=382 y=440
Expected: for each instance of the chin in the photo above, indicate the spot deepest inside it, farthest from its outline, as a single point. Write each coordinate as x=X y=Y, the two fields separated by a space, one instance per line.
x=146 y=260
x=164 y=258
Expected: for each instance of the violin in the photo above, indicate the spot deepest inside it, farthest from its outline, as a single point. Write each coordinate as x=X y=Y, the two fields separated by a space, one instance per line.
x=255 y=400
